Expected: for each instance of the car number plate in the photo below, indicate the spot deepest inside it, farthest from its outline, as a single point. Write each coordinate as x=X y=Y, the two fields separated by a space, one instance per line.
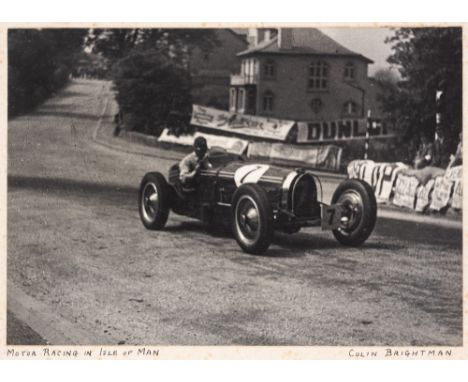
x=331 y=216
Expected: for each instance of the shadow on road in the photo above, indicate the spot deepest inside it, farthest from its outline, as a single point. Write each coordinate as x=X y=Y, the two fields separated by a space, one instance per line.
x=65 y=114
x=69 y=186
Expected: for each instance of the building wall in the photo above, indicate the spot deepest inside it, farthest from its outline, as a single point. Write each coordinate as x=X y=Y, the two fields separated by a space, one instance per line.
x=292 y=98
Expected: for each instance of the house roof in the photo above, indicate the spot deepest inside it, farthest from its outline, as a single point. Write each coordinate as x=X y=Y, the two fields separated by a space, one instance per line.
x=241 y=34
x=309 y=41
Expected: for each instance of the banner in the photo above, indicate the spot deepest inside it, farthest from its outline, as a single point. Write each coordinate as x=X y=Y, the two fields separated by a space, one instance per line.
x=454 y=173
x=340 y=130
x=252 y=126
x=354 y=167
x=387 y=174
x=320 y=157
x=441 y=194
x=457 y=197
x=230 y=144
x=423 y=195
x=405 y=191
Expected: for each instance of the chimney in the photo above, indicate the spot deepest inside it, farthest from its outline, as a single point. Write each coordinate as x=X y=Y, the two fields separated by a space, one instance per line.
x=285 y=38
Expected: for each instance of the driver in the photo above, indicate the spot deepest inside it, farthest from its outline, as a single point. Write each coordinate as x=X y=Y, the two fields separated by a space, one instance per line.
x=192 y=163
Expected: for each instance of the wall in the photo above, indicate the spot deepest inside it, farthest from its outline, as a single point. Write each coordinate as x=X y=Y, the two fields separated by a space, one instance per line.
x=292 y=97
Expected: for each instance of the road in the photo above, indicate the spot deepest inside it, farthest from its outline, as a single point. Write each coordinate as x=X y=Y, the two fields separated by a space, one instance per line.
x=83 y=270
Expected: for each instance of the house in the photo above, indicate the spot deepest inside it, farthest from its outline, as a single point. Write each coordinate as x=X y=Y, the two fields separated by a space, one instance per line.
x=211 y=70
x=301 y=74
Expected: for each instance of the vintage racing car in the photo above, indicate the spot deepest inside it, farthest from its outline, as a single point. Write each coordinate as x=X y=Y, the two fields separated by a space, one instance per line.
x=256 y=199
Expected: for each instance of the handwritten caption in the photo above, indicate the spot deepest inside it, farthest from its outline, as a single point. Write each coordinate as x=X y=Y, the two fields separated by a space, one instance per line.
x=400 y=353
x=80 y=353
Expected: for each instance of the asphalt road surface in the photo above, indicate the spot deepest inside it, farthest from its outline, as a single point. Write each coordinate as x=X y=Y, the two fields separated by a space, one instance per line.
x=83 y=270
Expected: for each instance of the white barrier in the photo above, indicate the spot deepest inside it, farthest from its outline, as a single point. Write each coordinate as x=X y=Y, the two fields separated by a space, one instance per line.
x=320 y=157
x=431 y=188
x=230 y=144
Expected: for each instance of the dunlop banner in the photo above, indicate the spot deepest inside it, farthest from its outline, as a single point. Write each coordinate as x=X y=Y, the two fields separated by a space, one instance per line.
x=340 y=130
x=252 y=126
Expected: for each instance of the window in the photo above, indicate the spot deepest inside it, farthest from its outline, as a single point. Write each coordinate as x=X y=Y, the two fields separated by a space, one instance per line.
x=268 y=101
x=250 y=100
x=349 y=71
x=316 y=105
x=269 y=70
x=233 y=99
x=350 y=108
x=318 y=76
x=241 y=99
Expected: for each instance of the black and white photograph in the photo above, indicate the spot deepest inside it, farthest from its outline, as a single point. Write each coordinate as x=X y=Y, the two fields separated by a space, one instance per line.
x=257 y=186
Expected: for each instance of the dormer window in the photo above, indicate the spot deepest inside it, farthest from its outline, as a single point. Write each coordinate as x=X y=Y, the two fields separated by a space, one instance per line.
x=318 y=76
x=349 y=71
x=269 y=70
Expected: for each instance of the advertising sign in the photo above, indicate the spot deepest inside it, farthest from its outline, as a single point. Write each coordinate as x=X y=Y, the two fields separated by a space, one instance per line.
x=387 y=174
x=454 y=173
x=457 y=197
x=247 y=125
x=354 y=167
x=423 y=195
x=340 y=130
x=405 y=191
x=441 y=194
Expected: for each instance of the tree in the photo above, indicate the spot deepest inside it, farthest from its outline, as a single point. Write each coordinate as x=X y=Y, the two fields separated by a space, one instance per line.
x=39 y=61
x=115 y=44
x=153 y=92
x=428 y=59
x=151 y=73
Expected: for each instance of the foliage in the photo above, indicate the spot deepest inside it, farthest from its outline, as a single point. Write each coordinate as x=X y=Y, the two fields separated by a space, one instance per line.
x=151 y=73
x=428 y=59
x=152 y=92
x=39 y=63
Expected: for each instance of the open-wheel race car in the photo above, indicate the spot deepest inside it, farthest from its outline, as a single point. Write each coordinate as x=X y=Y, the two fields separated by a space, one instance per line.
x=256 y=199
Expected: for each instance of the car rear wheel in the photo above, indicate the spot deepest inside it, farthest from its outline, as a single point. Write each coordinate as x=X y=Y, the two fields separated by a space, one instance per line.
x=252 y=218
x=153 y=201
x=359 y=211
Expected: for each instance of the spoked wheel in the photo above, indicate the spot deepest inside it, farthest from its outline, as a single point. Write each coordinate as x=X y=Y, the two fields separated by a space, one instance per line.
x=252 y=219
x=359 y=211
x=153 y=201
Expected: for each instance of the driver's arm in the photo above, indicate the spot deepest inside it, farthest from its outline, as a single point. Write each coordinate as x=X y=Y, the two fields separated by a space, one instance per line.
x=185 y=167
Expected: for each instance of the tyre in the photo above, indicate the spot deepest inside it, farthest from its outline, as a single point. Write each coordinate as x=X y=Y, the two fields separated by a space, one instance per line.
x=154 y=201
x=252 y=218
x=360 y=210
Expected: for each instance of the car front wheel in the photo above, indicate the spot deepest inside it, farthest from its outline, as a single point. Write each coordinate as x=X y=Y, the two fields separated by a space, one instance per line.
x=153 y=201
x=252 y=218
x=359 y=211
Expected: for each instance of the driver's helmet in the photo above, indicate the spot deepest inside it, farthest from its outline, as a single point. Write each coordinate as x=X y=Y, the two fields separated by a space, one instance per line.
x=200 y=146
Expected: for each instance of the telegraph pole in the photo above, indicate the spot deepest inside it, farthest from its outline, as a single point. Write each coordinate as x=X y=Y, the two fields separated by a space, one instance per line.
x=368 y=127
